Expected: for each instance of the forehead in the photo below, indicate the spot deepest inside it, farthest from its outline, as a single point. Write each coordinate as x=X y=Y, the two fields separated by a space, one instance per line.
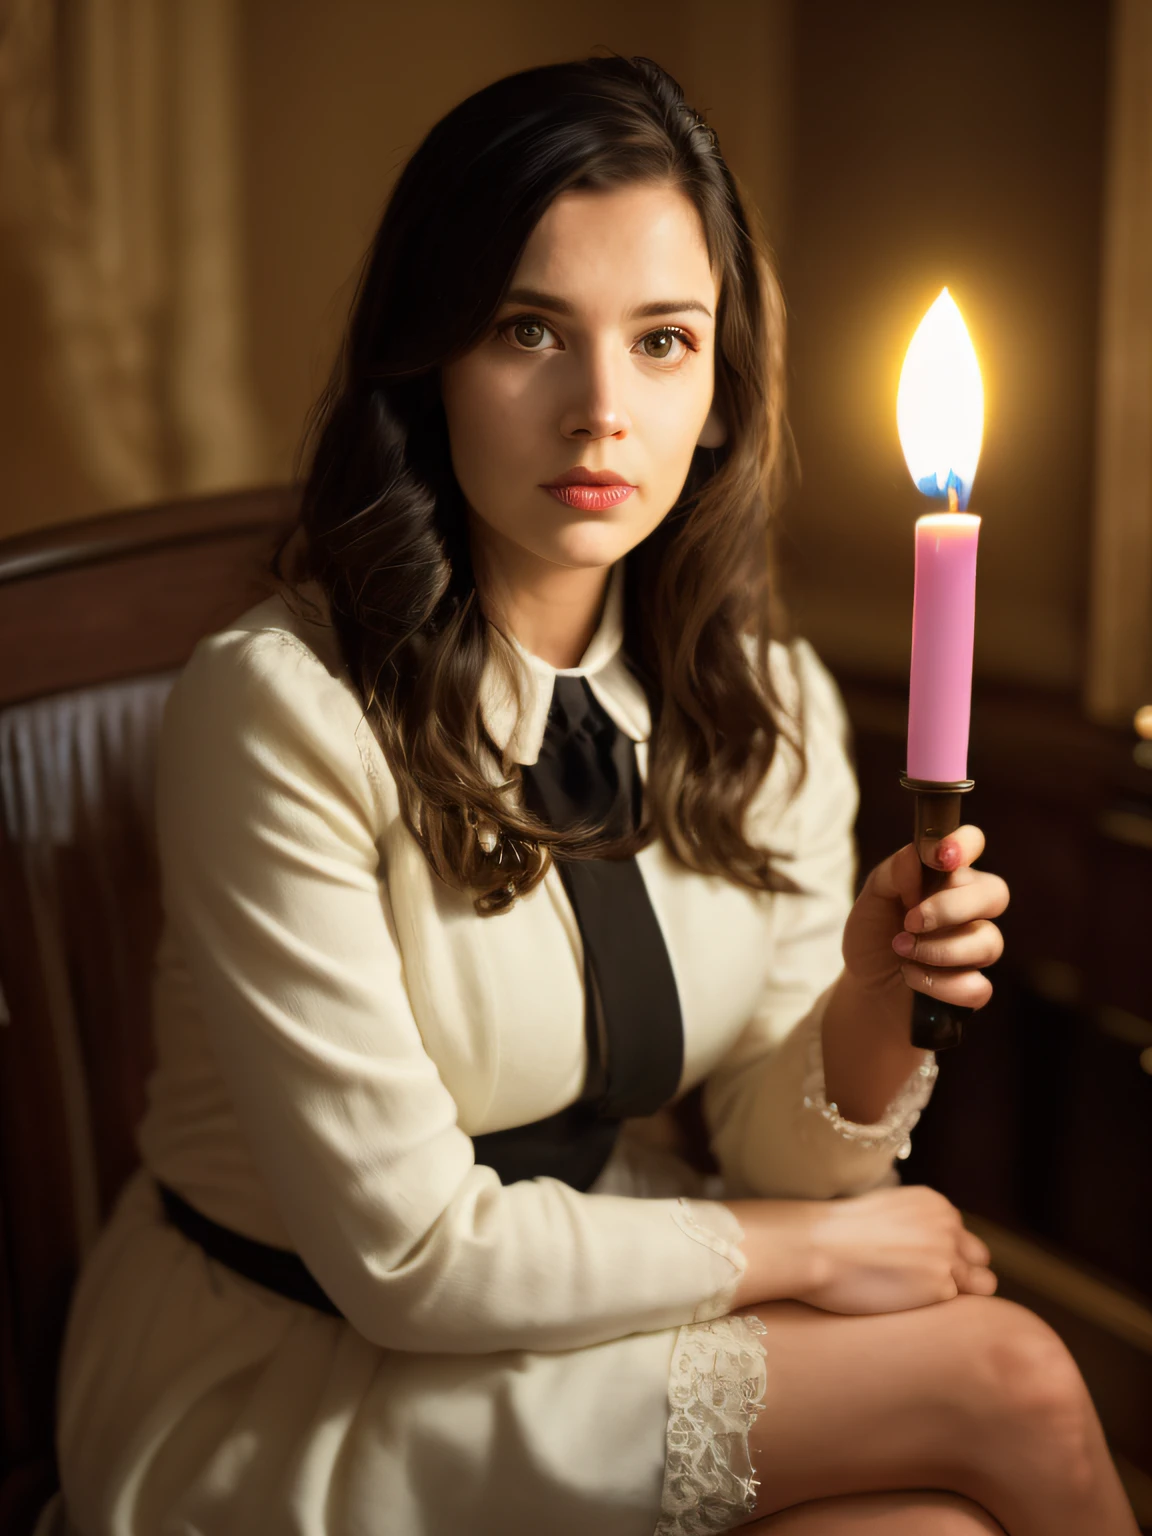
x=619 y=247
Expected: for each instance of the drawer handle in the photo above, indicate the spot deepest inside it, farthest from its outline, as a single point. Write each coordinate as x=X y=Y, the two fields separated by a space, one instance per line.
x=1132 y=828
x=1129 y=1029
x=1058 y=982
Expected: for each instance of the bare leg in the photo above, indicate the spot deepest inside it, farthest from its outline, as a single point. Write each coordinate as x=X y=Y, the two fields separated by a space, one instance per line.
x=975 y=1396
x=880 y=1514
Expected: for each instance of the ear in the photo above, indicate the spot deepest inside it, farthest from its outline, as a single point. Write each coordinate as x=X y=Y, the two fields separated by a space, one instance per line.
x=714 y=432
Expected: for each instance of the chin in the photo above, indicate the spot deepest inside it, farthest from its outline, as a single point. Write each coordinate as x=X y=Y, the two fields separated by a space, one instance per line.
x=593 y=545
x=602 y=539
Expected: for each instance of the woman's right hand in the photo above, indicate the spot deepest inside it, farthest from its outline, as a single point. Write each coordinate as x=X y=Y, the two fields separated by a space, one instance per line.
x=884 y=1251
x=892 y=1249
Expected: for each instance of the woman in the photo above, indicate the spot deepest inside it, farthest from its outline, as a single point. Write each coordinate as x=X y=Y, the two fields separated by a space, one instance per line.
x=506 y=823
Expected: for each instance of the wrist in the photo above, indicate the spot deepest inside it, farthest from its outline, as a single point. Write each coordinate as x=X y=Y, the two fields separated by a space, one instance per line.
x=782 y=1260
x=884 y=1008
x=866 y=1046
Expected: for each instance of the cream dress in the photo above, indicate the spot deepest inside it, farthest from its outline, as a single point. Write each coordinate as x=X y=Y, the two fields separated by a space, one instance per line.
x=333 y=1024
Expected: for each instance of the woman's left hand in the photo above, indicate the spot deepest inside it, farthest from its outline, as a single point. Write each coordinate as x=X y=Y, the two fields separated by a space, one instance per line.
x=938 y=944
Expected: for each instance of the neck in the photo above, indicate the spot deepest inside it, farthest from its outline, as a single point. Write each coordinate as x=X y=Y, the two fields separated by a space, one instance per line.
x=553 y=610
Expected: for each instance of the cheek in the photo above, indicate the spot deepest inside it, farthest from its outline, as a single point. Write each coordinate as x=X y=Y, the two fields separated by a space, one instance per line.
x=672 y=418
x=491 y=418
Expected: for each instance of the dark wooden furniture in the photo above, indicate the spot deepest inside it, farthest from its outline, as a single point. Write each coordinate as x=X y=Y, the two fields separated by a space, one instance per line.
x=96 y=618
x=1040 y=1128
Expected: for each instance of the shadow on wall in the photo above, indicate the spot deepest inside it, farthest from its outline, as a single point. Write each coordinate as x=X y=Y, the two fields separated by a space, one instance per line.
x=179 y=293
x=960 y=147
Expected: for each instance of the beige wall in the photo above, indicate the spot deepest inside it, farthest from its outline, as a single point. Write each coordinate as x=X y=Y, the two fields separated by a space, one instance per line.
x=329 y=101
x=42 y=474
x=963 y=147
x=292 y=118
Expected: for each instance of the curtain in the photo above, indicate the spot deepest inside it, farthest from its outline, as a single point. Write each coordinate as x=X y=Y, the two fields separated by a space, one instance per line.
x=120 y=185
x=1120 y=619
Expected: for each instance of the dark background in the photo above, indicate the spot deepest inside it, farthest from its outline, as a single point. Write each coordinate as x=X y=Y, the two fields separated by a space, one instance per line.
x=183 y=206
x=966 y=145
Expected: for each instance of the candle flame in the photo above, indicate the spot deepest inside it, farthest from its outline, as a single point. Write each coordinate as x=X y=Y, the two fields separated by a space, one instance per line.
x=940 y=404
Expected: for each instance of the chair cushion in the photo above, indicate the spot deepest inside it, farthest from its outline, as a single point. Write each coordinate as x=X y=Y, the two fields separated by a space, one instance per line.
x=79 y=891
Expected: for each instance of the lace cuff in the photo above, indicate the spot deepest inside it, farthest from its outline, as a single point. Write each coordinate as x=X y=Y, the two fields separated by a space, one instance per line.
x=893 y=1129
x=715 y=1391
x=701 y=1220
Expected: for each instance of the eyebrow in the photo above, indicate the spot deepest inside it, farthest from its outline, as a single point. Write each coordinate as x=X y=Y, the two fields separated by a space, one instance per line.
x=562 y=307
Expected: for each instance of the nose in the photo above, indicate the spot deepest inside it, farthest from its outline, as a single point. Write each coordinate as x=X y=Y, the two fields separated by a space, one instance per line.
x=595 y=405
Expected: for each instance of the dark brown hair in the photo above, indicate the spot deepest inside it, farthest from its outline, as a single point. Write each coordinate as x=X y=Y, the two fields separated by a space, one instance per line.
x=384 y=529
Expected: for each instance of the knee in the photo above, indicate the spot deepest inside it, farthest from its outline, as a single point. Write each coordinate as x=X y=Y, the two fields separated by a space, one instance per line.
x=1027 y=1390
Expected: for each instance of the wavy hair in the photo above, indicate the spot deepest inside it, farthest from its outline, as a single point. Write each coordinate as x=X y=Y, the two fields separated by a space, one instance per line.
x=382 y=525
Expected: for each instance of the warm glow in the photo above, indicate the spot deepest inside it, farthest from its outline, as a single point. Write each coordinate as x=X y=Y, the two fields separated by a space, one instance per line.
x=948 y=525
x=1143 y=722
x=940 y=403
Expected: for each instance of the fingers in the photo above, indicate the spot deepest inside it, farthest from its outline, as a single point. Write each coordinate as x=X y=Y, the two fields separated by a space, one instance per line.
x=956 y=851
x=971 y=1270
x=947 y=938
x=977 y=1280
x=966 y=989
x=973 y=1250
x=969 y=895
x=975 y=944
x=899 y=876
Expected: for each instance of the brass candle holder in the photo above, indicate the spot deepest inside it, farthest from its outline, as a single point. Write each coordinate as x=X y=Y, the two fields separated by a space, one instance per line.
x=936 y=1025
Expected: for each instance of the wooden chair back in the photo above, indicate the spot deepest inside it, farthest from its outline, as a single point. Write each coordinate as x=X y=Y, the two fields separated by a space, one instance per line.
x=96 y=619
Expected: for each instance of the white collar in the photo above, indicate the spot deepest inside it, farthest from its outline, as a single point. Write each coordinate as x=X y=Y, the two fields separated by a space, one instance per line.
x=602 y=663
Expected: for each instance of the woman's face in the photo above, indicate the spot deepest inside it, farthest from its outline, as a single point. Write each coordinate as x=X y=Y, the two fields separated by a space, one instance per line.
x=600 y=358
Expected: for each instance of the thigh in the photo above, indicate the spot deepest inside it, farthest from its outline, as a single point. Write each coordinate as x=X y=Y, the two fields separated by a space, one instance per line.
x=887 y=1401
x=880 y=1514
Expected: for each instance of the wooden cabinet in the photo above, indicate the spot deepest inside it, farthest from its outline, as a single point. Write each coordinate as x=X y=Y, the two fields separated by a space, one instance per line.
x=1041 y=1123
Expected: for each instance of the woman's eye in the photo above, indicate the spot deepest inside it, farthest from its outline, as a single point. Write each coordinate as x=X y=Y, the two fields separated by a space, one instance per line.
x=527 y=333
x=665 y=339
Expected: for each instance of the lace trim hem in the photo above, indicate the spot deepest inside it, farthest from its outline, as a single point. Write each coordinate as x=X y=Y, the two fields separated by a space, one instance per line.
x=893 y=1130
x=716 y=1391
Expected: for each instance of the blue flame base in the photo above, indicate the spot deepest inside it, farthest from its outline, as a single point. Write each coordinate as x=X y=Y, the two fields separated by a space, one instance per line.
x=930 y=485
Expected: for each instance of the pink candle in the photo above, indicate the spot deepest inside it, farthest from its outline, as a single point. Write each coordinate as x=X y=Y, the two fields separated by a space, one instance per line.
x=943 y=627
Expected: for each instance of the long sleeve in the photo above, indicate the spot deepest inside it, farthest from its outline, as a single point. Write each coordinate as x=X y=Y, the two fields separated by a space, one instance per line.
x=773 y=1132
x=271 y=820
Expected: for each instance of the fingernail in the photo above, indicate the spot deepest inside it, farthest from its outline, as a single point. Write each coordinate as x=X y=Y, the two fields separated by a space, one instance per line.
x=948 y=855
x=904 y=944
x=927 y=918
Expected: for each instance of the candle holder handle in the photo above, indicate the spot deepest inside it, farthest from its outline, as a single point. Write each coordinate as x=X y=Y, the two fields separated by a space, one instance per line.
x=936 y=1025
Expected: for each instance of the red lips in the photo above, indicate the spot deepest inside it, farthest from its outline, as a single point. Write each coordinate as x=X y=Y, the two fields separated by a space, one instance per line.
x=581 y=476
x=591 y=498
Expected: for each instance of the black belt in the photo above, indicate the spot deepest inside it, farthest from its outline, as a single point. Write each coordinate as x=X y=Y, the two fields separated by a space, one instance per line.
x=573 y=1146
x=279 y=1269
